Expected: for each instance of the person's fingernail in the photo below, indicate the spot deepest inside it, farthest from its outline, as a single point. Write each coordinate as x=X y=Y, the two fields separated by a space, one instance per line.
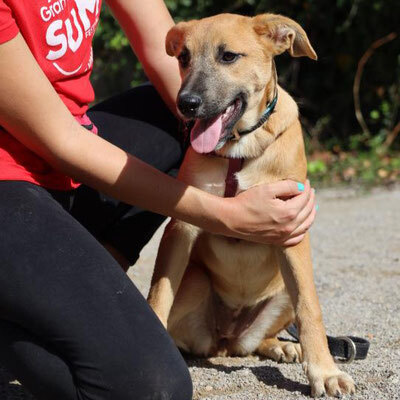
x=316 y=207
x=300 y=186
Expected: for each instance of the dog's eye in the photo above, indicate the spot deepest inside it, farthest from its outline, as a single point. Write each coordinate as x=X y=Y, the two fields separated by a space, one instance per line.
x=184 y=58
x=229 y=57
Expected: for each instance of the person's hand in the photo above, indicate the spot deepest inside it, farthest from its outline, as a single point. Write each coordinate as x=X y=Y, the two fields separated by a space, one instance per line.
x=279 y=213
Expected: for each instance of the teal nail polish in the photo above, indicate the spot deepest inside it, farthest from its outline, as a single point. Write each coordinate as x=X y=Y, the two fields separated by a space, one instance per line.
x=300 y=186
x=317 y=207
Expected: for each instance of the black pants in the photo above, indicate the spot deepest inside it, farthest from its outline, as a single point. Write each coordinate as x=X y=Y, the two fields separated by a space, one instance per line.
x=72 y=325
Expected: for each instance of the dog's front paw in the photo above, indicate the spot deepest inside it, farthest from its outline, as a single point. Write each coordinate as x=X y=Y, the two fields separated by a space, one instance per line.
x=328 y=381
x=286 y=352
x=280 y=351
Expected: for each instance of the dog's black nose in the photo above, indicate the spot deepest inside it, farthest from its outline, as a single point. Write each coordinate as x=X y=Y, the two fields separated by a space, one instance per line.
x=189 y=103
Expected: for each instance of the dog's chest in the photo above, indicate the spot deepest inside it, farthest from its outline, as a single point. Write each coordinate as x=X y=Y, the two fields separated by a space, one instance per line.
x=204 y=172
x=241 y=272
x=210 y=173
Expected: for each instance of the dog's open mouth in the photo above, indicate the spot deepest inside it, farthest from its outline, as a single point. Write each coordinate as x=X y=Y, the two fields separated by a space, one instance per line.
x=209 y=133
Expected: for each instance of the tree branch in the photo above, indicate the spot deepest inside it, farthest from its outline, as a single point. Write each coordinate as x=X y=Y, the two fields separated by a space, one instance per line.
x=360 y=68
x=392 y=136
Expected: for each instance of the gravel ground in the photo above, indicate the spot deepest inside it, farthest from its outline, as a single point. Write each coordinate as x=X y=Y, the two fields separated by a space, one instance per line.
x=356 y=252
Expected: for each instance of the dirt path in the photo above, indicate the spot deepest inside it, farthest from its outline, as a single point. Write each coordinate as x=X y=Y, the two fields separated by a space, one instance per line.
x=356 y=252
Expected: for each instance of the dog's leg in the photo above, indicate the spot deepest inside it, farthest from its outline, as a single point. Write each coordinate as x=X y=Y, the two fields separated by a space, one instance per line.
x=172 y=259
x=323 y=374
x=191 y=321
x=280 y=350
x=194 y=289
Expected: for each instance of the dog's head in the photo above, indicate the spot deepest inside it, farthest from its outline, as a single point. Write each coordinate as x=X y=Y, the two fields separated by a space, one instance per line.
x=226 y=68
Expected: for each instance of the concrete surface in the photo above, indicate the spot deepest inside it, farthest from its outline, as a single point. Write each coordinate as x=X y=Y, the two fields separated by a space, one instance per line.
x=356 y=252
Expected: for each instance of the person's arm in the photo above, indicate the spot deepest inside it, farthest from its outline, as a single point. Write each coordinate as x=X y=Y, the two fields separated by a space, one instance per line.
x=31 y=110
x=146 y=24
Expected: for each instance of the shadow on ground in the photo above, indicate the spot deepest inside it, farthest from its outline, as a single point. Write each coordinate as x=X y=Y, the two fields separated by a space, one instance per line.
x=270 y=376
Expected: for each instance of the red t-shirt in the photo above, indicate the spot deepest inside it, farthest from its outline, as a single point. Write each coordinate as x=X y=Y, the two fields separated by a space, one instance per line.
x=59 y=34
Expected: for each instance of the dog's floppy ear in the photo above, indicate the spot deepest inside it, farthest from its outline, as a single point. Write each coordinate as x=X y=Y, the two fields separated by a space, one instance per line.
x=175 y=38
x=285 y=34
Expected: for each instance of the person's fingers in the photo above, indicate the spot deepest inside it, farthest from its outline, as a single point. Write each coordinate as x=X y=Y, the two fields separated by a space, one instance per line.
x=287 y=188
x=306 y=224
x=297 y=203
x=305 y=212
x=293 y=241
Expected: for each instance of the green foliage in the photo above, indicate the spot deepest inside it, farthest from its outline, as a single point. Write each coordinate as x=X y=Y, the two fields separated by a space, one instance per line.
x=115 y=67
x=341 y=31
x=361 y=167
x=317 y=167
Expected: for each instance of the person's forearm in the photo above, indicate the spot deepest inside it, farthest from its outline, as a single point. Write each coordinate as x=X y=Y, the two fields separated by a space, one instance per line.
x=148 y=41
x=125 y=177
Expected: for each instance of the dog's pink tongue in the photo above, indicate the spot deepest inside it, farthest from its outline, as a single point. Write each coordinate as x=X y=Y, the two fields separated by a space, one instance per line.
x=205 y=134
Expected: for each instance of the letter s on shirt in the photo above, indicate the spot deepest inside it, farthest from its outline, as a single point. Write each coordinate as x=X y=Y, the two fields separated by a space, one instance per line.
x=52 y=39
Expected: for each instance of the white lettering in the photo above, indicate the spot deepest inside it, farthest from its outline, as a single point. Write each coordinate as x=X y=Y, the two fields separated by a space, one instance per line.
x=72 y=43
x=90 y=62
x=92 y=29
x=56 y=40
x=84 y=6
x=57 y=8
x=77 y=27
x=47 y=13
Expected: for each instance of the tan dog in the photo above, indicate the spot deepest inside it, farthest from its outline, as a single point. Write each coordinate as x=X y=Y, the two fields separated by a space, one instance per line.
x=218 y=295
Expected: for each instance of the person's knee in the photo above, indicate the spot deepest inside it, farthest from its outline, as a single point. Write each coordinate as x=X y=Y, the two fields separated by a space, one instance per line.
x=182 y=387
x=172 y=383
x=177 y=385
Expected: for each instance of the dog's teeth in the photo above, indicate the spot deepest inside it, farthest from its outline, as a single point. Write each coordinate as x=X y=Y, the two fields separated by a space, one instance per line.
x=228 y=112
